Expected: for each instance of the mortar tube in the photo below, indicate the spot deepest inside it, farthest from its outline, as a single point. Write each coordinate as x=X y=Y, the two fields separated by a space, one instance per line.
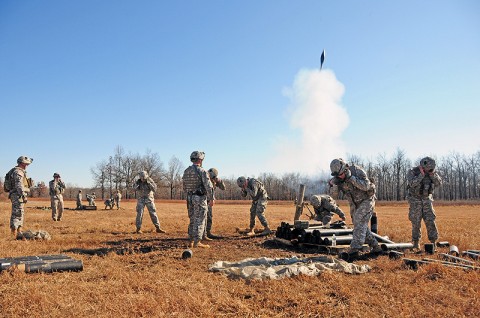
x=474 y=251
x=341 y=240
x=396 y=246
x=381 y=239
x=456 y=259
x=472 y=255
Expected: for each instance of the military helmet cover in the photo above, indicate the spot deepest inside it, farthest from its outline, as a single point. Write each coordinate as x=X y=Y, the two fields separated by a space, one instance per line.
x=213 y=173
x=56 y=175
x=197 y=155
x=315 y=200
x=24 y=159
x=428 y=163
x=337 y=166
x=143 y=174
x=241 y=181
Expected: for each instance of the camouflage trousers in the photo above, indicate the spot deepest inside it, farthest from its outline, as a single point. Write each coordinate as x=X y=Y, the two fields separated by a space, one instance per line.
x=361 y=216
x=197 y=212
x=91 y=202
x=56 y=202
x=117 y=202
x=149 y=203
x=325 y=217
x=79 y=204
x=208 y=227
x=258 y=210
x=18 y=212
x=422 y=209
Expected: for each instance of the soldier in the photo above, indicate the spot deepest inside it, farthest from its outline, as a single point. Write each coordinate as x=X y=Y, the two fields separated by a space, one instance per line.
x=324 y=207
x=353 y=181
x=217 y=183
x=259 y=196
x=146 y=188
x=109 y=203
x=79 y=200
x=422 y=181
x=91 y=199
x=199 y=191
x=18 y=186
x=56 y=190
x=118 y=198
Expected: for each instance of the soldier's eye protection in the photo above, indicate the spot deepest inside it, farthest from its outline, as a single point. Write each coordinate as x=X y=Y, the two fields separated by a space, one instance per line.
x=431 y=170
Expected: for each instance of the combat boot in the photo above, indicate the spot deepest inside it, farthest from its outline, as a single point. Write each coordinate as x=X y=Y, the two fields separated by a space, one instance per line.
x=266 y=231
x=206 y=238
x=138 y=231
x=416 y=245
x=376 y=249
x=434 y=245
x=200 y=244
x=14 y=233
x=159 y=230
x=251 y=232
x=191 y=244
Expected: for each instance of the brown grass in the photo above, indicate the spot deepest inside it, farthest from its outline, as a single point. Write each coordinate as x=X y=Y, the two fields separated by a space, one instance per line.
x=160 y=283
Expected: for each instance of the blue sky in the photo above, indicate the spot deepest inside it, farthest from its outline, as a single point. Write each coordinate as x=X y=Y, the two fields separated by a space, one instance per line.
x=78 y=78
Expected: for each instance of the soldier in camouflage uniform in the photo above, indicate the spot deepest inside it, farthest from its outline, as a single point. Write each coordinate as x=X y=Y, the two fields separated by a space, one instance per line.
x=91 y=198
x=217 y=183
x=422 y=181
x=109 y=203
x=353 y=181
x=18 y=193
x=118 y=198
x=259 y=196
x=325 y=206
x=79 y=200
x=145 y=188
x=199 y=191
x=56 y=190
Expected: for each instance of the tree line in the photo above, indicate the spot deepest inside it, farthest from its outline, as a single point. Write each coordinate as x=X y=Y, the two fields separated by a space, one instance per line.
x=460 y=174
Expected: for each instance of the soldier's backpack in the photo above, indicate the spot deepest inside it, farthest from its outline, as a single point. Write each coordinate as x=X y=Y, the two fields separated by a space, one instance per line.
x=8 y=182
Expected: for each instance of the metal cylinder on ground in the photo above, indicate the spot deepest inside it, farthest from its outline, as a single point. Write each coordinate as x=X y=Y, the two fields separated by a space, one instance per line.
x=429 y=248
x=187 y=254
x=396 y=246
x=454 y=250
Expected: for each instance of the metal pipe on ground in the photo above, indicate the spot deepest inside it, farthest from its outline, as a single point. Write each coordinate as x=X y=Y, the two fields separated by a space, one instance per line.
x=396 y=246
x=60 y=266
x=430 y=260
x=382 y=239
x=341 y=240
x=474 y=251
x=474 y=256
x=455 y=259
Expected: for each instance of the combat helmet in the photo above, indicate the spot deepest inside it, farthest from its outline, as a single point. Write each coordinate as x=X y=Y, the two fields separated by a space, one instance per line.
x=24 y=159
x=213 y=173
x=56 y=175
x=428 y=164
x=197 y=155
x=315 y=200
x=338 y=166
x=143 y=174
x=241 y=181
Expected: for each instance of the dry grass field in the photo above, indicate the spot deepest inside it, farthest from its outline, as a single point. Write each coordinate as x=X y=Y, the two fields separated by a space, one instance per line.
x=161 y=284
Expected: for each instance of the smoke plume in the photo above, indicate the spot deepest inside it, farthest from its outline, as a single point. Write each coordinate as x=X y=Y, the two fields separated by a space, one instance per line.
x=317 y=120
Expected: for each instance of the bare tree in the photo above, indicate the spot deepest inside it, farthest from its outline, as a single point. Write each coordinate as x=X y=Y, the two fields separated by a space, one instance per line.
x=173 y=175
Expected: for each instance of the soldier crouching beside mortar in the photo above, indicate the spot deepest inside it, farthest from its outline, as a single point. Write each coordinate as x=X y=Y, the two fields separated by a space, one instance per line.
x=199 y=190
x=324 y=207
x=421 y=183
x=146 y=188
x=353 y=181
x=259 y=196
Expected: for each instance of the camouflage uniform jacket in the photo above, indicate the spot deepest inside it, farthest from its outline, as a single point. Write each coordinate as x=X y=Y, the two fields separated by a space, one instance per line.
x=357 y=188
x=56 y=187
x=20 y=183
x=145 y=189
x=255 y=189
x=421 y=186
x=325 y=202
x=196 y=181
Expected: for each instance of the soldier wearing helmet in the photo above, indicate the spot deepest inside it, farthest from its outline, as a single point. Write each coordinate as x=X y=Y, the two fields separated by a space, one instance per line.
x=18 y=186
x=91 y=198
x=256 y=190
x=324 y=207
x=79 y=200
x=359 y=190
x=56 y=189
x=199 y=191
x=145 y=188
x=421 y=182
x=217 y=183
x=118 y=197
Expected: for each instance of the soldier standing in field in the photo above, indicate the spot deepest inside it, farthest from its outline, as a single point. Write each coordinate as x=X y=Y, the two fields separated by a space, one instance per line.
x=79 y=200
x=118 y=198
x=56 y=190
x=324 y=207
x=18 y=186
x=91 y=199
x=145 y=188
x=199 y=191
x=353 y=181
x=259 y=196
x=422 y=181
x=217 y=183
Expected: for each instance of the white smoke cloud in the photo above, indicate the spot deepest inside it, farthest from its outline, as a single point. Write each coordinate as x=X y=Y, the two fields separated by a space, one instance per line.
x=317 y=120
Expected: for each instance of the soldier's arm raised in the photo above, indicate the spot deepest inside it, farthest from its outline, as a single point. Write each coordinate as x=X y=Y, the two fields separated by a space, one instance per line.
x=360 y=180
